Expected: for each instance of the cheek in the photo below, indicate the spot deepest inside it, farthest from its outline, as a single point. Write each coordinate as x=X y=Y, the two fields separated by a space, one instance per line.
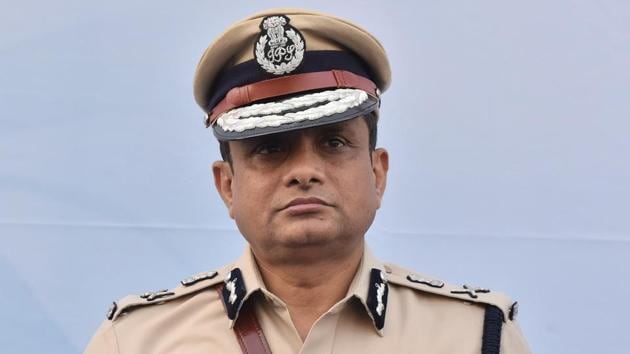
x=358 y=190
x=250 y=199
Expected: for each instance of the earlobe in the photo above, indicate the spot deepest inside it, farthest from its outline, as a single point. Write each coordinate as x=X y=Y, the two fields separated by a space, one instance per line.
x=222 y=172
x=380 y=166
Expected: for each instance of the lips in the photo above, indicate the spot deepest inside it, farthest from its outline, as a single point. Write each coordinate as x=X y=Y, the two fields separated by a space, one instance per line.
x=305 y=205
x=309 y=200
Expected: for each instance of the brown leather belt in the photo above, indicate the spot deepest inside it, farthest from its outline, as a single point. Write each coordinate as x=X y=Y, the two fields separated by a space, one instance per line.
x=247 y=330
x=286 y=85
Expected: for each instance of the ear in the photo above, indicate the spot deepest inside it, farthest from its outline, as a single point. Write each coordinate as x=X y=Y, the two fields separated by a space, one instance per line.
x=380 y=166
x=222 y=172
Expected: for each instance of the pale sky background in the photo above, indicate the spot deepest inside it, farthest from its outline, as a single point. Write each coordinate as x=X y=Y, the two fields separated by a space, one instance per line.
x=507 y=124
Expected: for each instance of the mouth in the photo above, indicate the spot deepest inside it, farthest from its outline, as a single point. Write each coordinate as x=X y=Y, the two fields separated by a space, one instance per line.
x=308 y=205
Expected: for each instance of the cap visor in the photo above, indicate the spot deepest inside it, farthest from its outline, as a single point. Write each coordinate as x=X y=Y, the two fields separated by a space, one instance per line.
x=367 y=106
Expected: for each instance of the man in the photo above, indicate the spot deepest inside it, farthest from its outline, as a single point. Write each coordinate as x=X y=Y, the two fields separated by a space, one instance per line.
x=293 y=98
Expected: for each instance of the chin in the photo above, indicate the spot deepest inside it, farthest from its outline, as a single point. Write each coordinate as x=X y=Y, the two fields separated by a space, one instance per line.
x=308 y=236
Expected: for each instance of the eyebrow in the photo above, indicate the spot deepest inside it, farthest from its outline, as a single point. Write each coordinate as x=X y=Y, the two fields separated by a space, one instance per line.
x=334 y=128
x=322 y=129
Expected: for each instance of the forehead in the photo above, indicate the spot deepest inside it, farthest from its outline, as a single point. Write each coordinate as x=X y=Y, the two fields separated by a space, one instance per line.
x=355 y=127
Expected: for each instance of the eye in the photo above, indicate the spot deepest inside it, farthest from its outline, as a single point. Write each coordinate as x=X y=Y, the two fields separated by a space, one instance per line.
x=335 y=142
x=267 y=148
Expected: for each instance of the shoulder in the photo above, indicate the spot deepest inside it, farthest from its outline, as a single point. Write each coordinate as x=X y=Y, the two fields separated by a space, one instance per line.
x=405 y=278
x=186 y=288
x=132 y=319
x=461 y=309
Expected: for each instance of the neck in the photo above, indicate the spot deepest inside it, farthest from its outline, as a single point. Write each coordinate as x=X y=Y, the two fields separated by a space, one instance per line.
x=311 y=288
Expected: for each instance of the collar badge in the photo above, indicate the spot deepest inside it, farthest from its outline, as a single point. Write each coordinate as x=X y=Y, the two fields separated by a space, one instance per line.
x=233 y=292
x=377 y=297
x=230 y=285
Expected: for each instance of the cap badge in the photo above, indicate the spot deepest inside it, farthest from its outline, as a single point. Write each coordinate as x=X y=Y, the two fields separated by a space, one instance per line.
x=280 y=47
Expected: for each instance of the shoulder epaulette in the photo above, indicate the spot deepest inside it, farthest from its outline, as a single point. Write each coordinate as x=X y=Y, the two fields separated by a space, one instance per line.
x=400 y=276
x=186 y=287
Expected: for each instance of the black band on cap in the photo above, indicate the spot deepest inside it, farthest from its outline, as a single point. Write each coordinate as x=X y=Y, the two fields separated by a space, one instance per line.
x=249 y=72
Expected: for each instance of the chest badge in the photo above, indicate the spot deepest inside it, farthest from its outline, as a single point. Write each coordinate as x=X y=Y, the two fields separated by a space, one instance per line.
x=280 y=47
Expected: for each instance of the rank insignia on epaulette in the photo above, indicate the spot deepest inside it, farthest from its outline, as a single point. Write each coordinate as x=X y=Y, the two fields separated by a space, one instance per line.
x=471 y=291
x=197 y=278
x=430 y=282
x=154 y=295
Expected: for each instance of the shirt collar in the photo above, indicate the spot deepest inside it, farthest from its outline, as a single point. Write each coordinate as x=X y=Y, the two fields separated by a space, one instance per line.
x=242 y=280
x=369 y=286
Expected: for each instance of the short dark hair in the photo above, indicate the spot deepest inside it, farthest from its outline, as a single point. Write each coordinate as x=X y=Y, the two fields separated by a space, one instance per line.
x=371 y=120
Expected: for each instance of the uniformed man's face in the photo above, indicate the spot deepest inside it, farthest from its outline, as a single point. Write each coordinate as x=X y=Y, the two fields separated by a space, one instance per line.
x=314 y=187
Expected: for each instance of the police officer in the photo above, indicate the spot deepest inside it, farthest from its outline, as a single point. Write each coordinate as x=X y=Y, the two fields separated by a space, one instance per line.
x=293 y=97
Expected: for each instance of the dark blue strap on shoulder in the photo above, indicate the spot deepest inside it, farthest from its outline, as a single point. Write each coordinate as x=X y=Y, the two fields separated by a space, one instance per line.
x=492 y=323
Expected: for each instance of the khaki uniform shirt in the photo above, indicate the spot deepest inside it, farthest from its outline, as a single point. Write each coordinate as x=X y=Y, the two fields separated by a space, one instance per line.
x=387 y=310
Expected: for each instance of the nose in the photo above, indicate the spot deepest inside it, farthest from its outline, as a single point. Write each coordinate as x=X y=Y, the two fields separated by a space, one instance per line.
x=305 y=166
